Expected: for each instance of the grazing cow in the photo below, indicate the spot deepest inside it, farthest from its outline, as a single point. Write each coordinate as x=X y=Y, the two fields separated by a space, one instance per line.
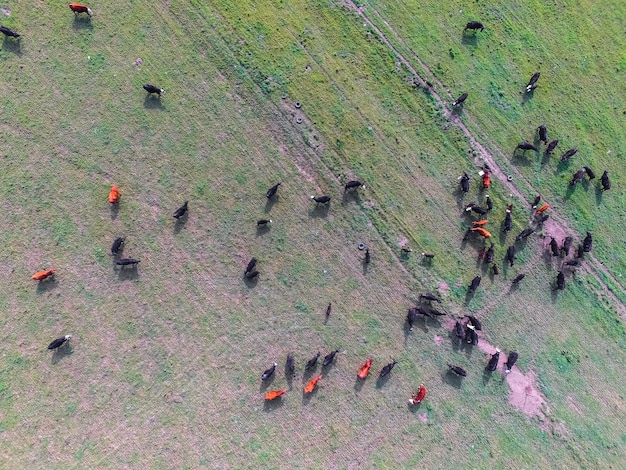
x=328 y=309
x=273 y=394
x=560 y=281
x=127 y=262
x=328 y=359
x=551 y=146
x=310 y=386
x=470 y=335
x=482 y=232
x=251 y=265
x=488 y=202
x=543 y=133
x=473 y=207
x=423 y=311
x=554 y=247
x=508 y=221
x=9 y=32
x=532 y=84
x=385 y=370
x=153 y=89
x=365 y=368
x=510 y=255
x=464 y=180
x=419 y=395
x=312 y=362
x=406 y=250
x=570 y=153
x=428 y=255
x=578 y=176
x=580 y=253
x=321 y=199
x=518 y=278
x=80 y=8
x=606 y=182
x=353 y=184
x=525 y=233
x=526 y=146
x=182 y=210
x=114 y=195
x=272 y=191
x=536 y=201
x=460 y=331
x=263 y=222
x=468 y=232
x=290 y=366
x=475 y=322
x=434 y=311
x=587 y=243
x=543 y=208
x=496 y=270
x=368 y=258
x=117 y=245
x=457 y=370
x=460 y=99
x=489 y=255
x=474 y=285
x=572 y=262
x=590 y=172
x=41 y=275
x=492 y=365
x=511 y=360
x=252 y=274
x=268 y=372
x=480 y=223
x=474 y=25
x=567 y=244
x=57 y=343
x=410 y=317
x=429 y=296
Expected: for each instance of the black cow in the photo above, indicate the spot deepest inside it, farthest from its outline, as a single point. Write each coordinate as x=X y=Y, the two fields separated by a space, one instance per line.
x=117 y=245
x=492 y=365
x=511 y=360
x=457 y=370
x=475 y=322
x=590 y=172
x=460 y=331
x=127 y=262
x=554 y=247
x=460 y=99
x=526 y=146
x=567 y=244
x=473 y=207
x=518 y=278
x=606 y=182
x=406 y=250
x=263 y=222
x=272 y=191
x=153 y=89
x=321 y=199
x=580 y=253
x=368 y=258
x=182 y=210
x=353 y=184
x=543 y=133
x=474 y=285
x=468 y=232
x=496 y=270
x=385 y=370
x=536 y=201
x=8 y=32
x=290 y=366
x=251 y=265
x=560 y=281
x=543 y=218
x=474 y=25
x=508 y=221
x=587 y=243
x=572 y=262
x=470 y=335
x=464 y=182
x=532 y=84
x=570 y=153
x=525 y=233
x=510 y=254
x=429 y=296
x=57 y=343
x=268 y=372
x=577 y=177
x=328 y=309
x=312 y=362
x=328 y=359
x=252 y=274
x=488 y=202
x=428 y=255
x=551 y=146
x=490 y=254
x=410 y=317
x=423 y=311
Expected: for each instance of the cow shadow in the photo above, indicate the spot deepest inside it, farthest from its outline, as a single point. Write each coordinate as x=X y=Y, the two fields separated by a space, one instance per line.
x=457 y=110
x=452 y=379
x=455 y=341
x=320 y=211
x=527 y=95
x=554 y=293
x=365 y=267
x=381 y=381
x=469 y=296
x=406 y=330
x=82 y=23
x=426 y=262
x=350 y=196
x=271 y=405
x=60 y=353
x=128 y=273
x=262 y=229
x=520 y=158
x=251 y=283
x=288 y=378
x=468 y=39
x=563 y=165
x=266 y=383
x=12 y=45
x=115 y=210
x=180 y=223
x=46 y=285
x=358 y=384
x=486 y=376
x=545 y=159
x=306 y=397
x=151 y=102
x=599 y=194
x=413 y=407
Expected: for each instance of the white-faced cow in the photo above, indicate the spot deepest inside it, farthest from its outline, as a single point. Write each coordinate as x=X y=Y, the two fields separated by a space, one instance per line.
x=532 y=83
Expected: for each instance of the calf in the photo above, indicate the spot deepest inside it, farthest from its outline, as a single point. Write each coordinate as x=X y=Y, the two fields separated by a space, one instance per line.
x=41 y=275
x=312 y=362
x=353 y=185
x=460 y=99
x=290 y=366
x=251 y=265
x=496 y=270
x=543 y=133
x=151 y=89
x=263 y=222
x=114 y=195
x=57 y=343
x=488 y=202
x=429 y=296
x=577 y=177
x=554 y=247
x=117 y=246
x=364 y=370
x=560 y=281
x=518 y=278
x=328 y=310
x=328 y=359
x=321 y=199
x=182 y=210
x=457 y=370
x=508 y=221
x=510 y=255
x=551 y=146
x=474 y=25
x=419 y=396
x=272 y=191
x=511 y=360
x=532 y=84
x=589 y=172
x=570 y=153
x=385 y=370
x=9 y=32
x=492 y=365
x=269 y=372
x=80 y=8
x=474 y=285
x=526 y=146
x=367 y=256
x=606 y=183
x=127 y=262
x=567 y=244
x=587 y=243
x=525 y=233
x=464 y=180
x=460 y=331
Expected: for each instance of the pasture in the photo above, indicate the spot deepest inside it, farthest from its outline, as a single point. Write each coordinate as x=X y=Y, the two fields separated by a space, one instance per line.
x=163 y=369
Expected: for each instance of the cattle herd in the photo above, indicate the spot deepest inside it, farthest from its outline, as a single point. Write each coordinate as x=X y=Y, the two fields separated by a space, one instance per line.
x=466 y=327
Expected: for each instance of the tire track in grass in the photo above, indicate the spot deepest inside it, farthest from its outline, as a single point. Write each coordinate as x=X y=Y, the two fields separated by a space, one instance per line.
x=596 y=266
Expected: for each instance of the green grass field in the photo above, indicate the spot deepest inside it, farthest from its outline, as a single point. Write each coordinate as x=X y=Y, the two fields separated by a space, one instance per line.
x=164 y=367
